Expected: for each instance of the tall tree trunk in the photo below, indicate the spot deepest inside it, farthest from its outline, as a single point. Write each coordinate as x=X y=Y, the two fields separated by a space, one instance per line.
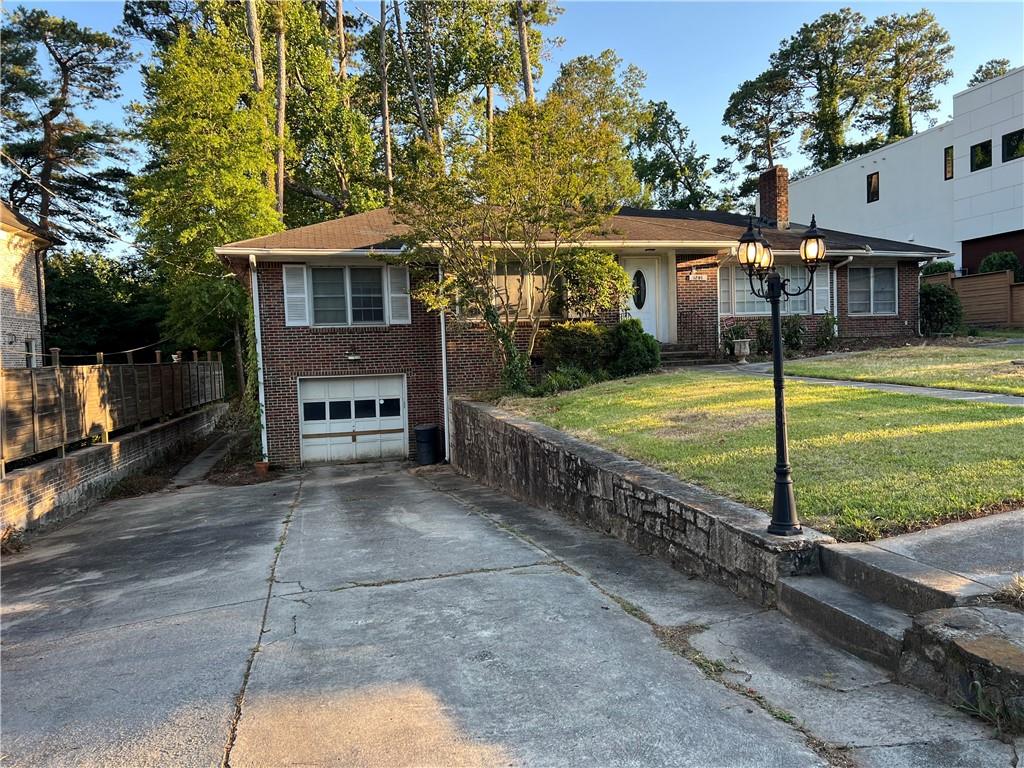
x=239 y=362
x=524 y=52
x=490 y=116
x=385 y=114
x=282 y=95
x=434 y=106
x=409 y=73
x=252 y=27
x=339 y=26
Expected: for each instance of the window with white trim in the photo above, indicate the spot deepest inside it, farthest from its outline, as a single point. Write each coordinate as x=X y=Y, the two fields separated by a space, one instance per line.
x=346 y=295
x=872 y=291
x=735 y=297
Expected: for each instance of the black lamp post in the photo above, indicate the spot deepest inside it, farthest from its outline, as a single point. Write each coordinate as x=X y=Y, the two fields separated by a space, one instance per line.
x=756 y=257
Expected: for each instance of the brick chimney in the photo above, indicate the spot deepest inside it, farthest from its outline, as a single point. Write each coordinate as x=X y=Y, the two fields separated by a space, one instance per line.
x=773 y=194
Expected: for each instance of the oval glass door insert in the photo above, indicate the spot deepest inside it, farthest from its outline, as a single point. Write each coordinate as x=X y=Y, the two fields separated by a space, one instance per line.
x=639 y=289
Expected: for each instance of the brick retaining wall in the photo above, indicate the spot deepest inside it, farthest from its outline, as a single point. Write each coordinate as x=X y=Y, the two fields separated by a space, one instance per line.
x=55 y=488
x=693 y=529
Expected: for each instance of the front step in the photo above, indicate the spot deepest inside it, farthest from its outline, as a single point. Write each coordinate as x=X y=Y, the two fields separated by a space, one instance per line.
x=676 y=355
x=845 y=617
x=899 y=582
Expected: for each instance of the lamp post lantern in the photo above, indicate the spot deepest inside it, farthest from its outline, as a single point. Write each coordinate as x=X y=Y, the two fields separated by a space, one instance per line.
x=756 y=257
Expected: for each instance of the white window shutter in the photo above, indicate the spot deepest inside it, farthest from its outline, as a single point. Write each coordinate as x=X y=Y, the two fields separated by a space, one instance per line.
x=822 y=292
x=296 y=305
x=398 y=289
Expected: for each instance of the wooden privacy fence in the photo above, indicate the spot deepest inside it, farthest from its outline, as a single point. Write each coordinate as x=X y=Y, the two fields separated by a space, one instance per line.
x=989 y=299
x=42 y=409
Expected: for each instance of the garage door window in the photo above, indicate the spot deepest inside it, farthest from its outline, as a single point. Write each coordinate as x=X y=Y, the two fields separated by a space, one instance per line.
x=366 y=409
x=391 y=406
x=314 y=411
x=341 y=409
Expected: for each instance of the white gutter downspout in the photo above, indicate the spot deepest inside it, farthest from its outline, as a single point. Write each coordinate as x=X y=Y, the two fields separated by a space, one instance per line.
x=444 y=381
x=835 y=293
x=255 y=287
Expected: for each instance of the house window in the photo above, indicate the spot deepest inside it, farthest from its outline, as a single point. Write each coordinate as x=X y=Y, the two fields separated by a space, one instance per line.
x=872 y=291
x=1013 y=145
x=872 y=187
x=330 y=306
x=367 y=295
x=735 y=297
x=30 y=353
x=981 y=155
x=340 y=293
x=947 y=163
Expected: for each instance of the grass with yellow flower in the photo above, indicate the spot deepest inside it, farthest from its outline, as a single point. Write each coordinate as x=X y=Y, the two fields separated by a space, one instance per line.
x=980 y=368
x=866 y=463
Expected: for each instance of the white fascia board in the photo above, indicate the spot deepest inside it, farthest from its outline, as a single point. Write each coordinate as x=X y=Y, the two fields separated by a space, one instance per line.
x=659 y=244
x=271 y=254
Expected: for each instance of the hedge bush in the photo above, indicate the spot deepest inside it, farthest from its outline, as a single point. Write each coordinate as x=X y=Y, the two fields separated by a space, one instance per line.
x=825 y=335
x=564 y=378
x=583 y=344
x=1000 y=260
x=793 y=330
x=633 y=351
x=938 y=268
x=941 y=310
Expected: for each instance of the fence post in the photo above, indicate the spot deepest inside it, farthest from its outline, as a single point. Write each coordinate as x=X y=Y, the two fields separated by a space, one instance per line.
x=135 y=381
x=104 y=400
x=55 y=361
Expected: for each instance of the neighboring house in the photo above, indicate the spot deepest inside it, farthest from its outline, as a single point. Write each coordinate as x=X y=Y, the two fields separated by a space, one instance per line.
x=957 y=186
x=349 y=363
x=22 y=289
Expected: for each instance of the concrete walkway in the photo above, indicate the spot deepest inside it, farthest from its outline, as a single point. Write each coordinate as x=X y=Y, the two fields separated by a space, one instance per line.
x=197 y=469
x=418 y=620
x=765 y=369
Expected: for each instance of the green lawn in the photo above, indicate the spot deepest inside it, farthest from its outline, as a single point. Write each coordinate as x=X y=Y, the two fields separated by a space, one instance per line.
x=866 y=463
x=985 y=369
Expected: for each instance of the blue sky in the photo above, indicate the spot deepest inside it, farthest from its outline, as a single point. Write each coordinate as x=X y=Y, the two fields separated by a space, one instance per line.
x=691 y=51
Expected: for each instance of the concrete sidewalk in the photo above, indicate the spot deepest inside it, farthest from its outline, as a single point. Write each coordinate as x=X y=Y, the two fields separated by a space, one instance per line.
x=419 y=619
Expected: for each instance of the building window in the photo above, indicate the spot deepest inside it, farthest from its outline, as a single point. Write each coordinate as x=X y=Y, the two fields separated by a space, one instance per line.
x=872 y=187
x=1013 y=145
x=30 y=354
x=872 y=291
x=340 y=293
x=735 y=297
x=947 y=163
x=981 y=155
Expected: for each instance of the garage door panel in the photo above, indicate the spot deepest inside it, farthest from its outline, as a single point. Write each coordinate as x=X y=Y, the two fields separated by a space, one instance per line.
x=353 y=418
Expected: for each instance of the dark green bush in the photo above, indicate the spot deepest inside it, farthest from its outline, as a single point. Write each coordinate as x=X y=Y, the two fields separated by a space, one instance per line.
x=938 y=268
x=793 y=330
x=632 y=350
x=941 y=310
x=564 y=378
x=582 y=343
x=733 y=332
x=825 y=336
x=763 y=337
x=1000 y=260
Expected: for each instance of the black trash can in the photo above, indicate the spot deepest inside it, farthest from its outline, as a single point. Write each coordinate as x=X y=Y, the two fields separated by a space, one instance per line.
x=426 y=444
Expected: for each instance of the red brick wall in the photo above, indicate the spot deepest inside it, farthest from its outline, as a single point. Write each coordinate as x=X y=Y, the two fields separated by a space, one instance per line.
x=293 y=352
x=697 y=303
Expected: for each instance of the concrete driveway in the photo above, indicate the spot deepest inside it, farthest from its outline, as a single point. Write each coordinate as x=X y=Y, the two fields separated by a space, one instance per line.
x=370 y=616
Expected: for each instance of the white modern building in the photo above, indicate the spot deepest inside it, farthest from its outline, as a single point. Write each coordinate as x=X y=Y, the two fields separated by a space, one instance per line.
x=958 y=186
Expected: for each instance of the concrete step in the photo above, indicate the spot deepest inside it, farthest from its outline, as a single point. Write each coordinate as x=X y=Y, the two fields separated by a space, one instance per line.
x=681 y=354
x=677 y=347
x=898 y=581
x=844 y=617
x=688 y=361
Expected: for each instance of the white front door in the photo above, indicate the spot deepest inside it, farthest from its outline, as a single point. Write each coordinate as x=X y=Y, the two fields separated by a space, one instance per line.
x=352 y=418
x=644 y=301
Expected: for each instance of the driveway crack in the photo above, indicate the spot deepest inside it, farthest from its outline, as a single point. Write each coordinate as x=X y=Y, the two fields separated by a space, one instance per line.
x=240 y=696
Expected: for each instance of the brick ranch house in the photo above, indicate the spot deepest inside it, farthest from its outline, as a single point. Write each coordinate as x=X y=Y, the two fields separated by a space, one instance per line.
x=349 y=364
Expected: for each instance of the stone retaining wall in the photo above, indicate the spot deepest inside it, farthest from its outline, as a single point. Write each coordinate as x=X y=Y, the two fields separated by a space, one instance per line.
x=52 y=489
x=693 y=529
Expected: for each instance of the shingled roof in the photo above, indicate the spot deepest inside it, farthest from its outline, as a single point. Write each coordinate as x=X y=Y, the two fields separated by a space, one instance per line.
x=379 y=230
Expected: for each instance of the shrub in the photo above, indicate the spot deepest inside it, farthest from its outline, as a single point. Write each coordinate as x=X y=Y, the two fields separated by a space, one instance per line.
x=763 y=337
x=733 y=332
x=582 y=344
x=632 y=350
x=938 y=268
x=562 y=379
x=793 y=330
x=825 y=336
x=997 y=261
x=941 y=311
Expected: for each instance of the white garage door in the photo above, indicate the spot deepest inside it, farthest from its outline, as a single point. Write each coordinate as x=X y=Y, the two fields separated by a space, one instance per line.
x=352 y=418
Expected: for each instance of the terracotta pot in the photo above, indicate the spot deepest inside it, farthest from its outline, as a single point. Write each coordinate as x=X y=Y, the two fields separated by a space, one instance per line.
x=262 y=468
